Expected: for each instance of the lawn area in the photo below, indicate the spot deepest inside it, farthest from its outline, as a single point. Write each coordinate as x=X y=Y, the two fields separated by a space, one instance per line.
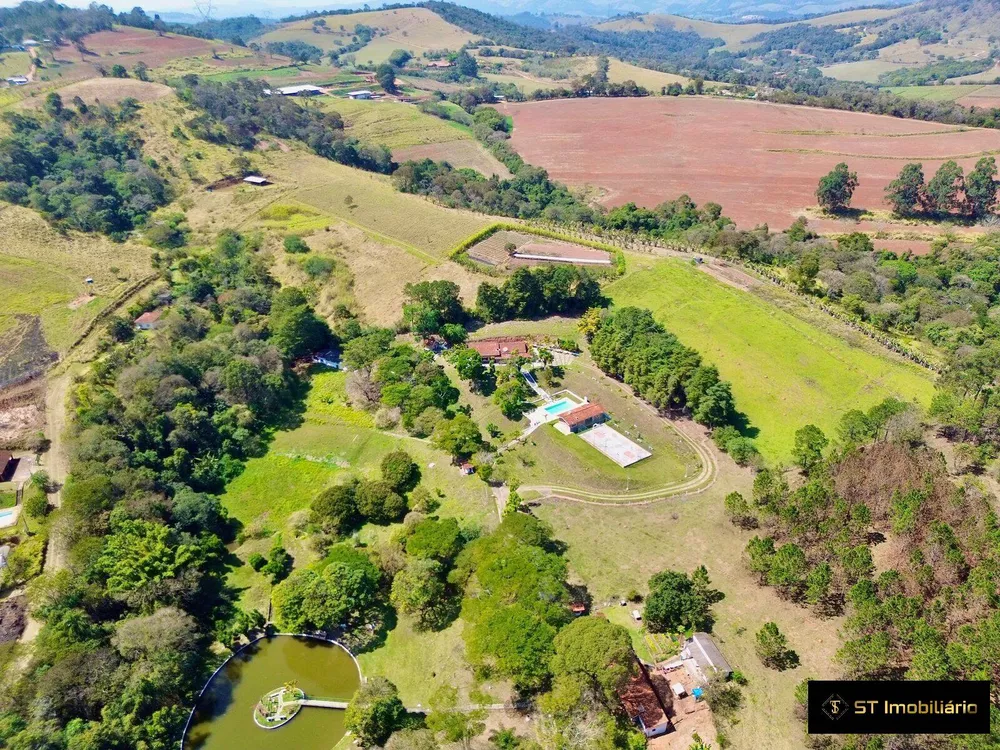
x=303 y=462
x=14 y=64
x=551 y=458
x=613 y=550
x=394 y=124
x=785 y=371
x=484 y=411
x=419 y=663
x=327 y=401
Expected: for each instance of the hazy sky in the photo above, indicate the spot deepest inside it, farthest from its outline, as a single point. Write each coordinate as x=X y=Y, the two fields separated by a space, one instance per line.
x=262 y=8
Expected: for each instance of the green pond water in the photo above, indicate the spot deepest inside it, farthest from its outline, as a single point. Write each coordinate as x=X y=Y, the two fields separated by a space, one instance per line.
x=224 y=718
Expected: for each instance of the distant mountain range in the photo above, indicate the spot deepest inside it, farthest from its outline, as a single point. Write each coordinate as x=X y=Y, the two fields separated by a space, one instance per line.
x=547 y=13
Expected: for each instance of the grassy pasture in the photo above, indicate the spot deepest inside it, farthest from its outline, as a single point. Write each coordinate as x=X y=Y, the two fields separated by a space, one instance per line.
x=525 y=85
x=42 y=271
x=413 y=29
x=323 y=452
x=109 y=91
x=734 y=35
x=393 y=124
x=464 y=153
x=934 y=93
x=14 y=64
x=409 y=221
x=653 y=80
x=785 y=371
x=613 y=550
x=867 y=71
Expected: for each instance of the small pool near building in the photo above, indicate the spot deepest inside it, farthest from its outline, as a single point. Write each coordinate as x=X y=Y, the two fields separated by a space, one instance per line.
x=558 y=407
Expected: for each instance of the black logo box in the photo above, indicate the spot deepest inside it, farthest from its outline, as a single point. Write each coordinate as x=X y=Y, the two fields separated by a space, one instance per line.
x=898 y=707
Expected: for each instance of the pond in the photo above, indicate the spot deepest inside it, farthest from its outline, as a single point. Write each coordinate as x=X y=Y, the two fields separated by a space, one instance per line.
x=322 y=669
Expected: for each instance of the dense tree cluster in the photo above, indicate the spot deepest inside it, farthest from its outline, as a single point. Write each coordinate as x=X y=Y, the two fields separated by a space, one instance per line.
x=528 y=194
x=296 y=50
x=936 y=72
x=820 y=42
x=80 y=166
x=515 y=600
x=630 y=345
x=237 y=112
x=932 y=612
x=677 y=602
x=342 y=592
x=434 y=307
x=943 y=297
x=949 y=191
x=48 y=19
x=534 y=293
x=161 y=422
x=639 y=46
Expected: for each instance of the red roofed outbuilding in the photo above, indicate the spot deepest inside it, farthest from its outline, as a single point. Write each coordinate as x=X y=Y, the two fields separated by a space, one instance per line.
x=643 y=704
x=501 y=348
x=581 y=418
x=148 y=320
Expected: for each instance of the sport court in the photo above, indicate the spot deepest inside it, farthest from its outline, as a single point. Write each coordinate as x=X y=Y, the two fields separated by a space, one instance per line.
x=614 y=445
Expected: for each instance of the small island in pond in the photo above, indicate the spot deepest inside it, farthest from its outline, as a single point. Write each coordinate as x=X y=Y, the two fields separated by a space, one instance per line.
x=278 y=707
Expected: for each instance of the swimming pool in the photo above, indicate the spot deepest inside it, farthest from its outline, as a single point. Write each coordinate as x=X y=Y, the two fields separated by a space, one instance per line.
x=558 y=407
x=7 y=513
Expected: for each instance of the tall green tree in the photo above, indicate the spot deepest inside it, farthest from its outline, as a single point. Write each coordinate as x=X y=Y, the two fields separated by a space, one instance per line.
x=385 y=74
x=374 y=712
x=598 y=652
x=836 y=189
x=906 y=193
x=809 y=444
x=981 y=187
x=944 y=188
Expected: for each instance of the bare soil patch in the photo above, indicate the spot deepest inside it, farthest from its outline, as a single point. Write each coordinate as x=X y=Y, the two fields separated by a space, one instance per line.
x=12 y=618
x=496 y=250
x=139 y=44
x=760 y=161
x=984 y=98
x=81 y=301
x=113 y=90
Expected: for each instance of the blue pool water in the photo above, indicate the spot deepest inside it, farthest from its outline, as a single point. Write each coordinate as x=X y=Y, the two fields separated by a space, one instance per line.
x=7 y=512
x=558 y=407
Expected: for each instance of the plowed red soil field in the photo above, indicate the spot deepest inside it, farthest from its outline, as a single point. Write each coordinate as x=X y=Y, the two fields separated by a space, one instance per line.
x=760 y=161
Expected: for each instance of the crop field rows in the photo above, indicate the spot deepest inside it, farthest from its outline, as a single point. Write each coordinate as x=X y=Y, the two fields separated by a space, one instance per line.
x=760 y=161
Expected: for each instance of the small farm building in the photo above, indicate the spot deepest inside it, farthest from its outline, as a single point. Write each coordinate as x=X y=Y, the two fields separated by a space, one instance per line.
x=148 y=320
x=501 y=348
x=643 y=704
x=440 y=64
x=301 y=90
x=18 y=80
x=466 y=469
x=365 y=94
x=705 y=657
x=581 y=418
x=256 y=179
